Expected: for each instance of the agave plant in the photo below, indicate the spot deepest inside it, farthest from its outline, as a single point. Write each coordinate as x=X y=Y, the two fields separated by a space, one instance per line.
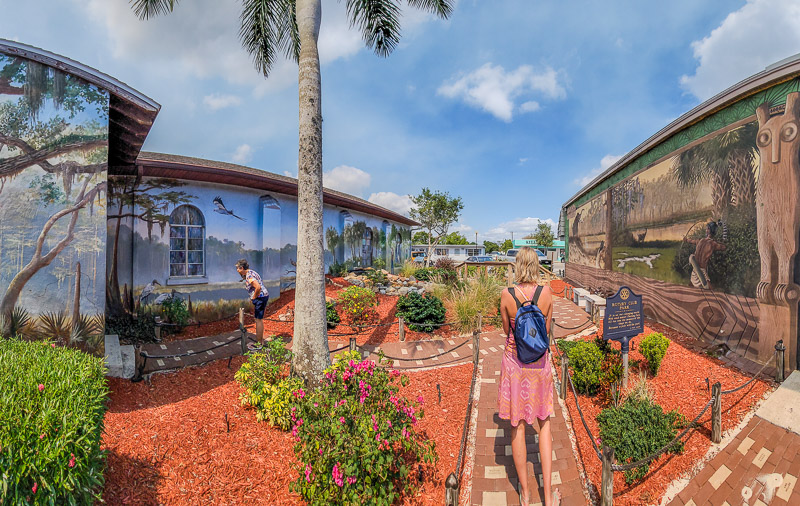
x=17 y=324
x=55 y=326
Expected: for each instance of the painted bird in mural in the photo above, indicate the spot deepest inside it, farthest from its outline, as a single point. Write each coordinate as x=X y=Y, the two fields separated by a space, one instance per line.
x=221 y=209
x=148 y=291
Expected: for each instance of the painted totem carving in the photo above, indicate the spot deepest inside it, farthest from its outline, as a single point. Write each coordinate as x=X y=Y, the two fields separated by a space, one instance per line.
x=778 y=205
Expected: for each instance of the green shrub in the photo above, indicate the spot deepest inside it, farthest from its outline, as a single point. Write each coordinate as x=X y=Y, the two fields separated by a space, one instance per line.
x=565 y=346
x=445 y=263
x=52 y=404
x=423 y=314
x=133 y=331
x=357 y=439
x=17 y=324
x=337 y=270
x=378 y=277
x=610 y=387
x=331 y=315
x=175 y=311
x=653 y=347
x=637 y=428
x=358 y=302
x=478 y=294
x=409 y=268
x=586 y=361
x=379 y=263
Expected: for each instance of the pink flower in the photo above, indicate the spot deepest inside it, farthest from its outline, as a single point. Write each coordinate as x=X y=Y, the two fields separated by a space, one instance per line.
x=52 y=345
x=341 y=419
x=42 y=436
x=337 y=475
x=315 y=404
x=35 y=486
x=71 y=460
x=405 y=433
x=41 y=387
x=320 y=451
x=420 y=400
x=377 y=437
x=351 y=480
x=395 y=373
x=308 y=473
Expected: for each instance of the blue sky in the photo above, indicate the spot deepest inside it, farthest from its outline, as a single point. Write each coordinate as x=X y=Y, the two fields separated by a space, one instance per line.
x=512 y=105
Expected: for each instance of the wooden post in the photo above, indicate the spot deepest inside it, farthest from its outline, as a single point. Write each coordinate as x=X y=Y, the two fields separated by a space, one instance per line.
x=353 y=344
x=510 y=274
x=451 y=490
x=402 y=329
x=76 y=299
x=480 y=322
x=476 y=344
x=607 y=480
x=562 y=392
x=625 y=369
x=241 y=329
x=716 y=412
x=157 y=319
x=780 y=359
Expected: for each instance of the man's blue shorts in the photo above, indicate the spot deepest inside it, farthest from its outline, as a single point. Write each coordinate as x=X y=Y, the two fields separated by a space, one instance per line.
x=260 y=304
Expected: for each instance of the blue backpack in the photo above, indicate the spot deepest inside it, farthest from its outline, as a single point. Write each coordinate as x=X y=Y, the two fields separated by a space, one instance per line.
x=530 y=329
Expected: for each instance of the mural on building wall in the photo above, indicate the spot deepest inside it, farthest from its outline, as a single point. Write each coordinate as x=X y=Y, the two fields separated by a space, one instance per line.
x=691 y=219
x=53 y=166
x=168 y=235
x=587 y=233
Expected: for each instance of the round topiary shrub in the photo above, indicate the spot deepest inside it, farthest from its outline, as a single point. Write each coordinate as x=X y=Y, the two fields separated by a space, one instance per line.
x=422 y=313
x=586 y=361
x=653 y=347
x=358 y=303
x=52 y=404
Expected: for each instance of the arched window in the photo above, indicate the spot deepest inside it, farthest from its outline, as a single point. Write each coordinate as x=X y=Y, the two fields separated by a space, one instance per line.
x=187 y=234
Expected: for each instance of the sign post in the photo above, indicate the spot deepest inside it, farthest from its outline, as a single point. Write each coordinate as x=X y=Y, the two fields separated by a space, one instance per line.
x=624 y=319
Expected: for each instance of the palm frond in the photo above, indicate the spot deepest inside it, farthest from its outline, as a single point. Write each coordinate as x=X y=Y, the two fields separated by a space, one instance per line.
x=18 y=323
x=442 y=8
x=268 y=27
x=55 y=326
x=378 y=21
x=82 y=329
x=146 y=9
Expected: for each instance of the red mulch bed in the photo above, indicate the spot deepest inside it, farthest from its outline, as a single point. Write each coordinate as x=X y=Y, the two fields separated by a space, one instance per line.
x=680 y=385
x=385 y=313
x=168 y=441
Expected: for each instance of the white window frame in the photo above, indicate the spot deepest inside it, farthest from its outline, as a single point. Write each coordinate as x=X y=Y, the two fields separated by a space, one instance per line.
x=187 y=279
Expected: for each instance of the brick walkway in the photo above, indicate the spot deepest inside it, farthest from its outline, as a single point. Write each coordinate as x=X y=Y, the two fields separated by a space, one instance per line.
x=494 y=480
x=761 y=465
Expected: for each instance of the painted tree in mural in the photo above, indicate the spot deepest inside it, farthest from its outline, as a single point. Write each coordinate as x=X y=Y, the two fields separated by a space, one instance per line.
x=333 y=239
x=727 y=162
x=271 y=27
x=49 y=144
x=132 y=199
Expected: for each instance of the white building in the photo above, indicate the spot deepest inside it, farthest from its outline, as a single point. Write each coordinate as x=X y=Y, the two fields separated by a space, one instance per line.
x=456 y=252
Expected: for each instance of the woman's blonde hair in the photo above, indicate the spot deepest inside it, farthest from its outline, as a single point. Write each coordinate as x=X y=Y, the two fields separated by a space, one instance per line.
x=526 y=269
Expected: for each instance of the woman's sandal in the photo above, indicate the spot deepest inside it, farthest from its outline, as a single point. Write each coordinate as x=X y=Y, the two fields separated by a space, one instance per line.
x=556 y=497
x=519 y=491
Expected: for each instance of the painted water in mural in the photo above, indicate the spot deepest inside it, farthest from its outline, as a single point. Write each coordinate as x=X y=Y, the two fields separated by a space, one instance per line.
x=171 y=236
x=53 y=166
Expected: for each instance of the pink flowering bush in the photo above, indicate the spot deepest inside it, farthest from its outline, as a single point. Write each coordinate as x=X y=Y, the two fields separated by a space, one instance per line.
x=357 y=438
x=52 y=404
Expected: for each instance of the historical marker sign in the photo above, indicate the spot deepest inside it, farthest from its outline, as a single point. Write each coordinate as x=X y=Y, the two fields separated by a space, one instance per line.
x=624 y=317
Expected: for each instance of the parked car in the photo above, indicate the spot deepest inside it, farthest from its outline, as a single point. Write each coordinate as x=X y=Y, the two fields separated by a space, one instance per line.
x=480 y=258
x=418 y=256
x=543 y=260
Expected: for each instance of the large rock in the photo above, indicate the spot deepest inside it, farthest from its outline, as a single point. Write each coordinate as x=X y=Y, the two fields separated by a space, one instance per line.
x=402 y=291
x=356 y=281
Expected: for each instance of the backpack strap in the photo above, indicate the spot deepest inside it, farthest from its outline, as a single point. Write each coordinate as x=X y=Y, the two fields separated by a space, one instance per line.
x=511 y=291
x=536 y=295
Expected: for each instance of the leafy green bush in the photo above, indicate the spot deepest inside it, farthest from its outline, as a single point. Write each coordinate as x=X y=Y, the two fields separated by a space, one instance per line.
x=337 y=270
x=52 y=404
x=175 y=311
x=264 y=388
x=423 y=314
x=358 y=302
x=610 y=387
x=586 y=360
x=357 y=440
x=377 y=276
x=379 y=263
x=331 y=315
x=565 y=346
x=653 y=347
x=133 y=331
x=637 y=428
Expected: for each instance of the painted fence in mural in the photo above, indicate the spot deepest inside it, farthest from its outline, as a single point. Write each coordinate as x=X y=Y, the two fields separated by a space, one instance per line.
x=711 y=224
x=53 y=166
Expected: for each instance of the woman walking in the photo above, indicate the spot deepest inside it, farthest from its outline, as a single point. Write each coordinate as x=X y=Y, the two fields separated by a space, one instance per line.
x=526 y=390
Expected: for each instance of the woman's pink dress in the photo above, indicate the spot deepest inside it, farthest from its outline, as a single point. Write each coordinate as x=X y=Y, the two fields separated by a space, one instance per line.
x=526 y=390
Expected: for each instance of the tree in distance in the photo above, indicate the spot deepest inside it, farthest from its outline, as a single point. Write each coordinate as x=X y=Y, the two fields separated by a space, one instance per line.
x=436 y=211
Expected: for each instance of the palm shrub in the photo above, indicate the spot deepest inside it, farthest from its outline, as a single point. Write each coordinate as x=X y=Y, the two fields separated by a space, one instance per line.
x=653 y=347
x=636 y=429
x=357 y=438
x=52 y=405
x=586 y=361
x=423 y=313
x=17 y=324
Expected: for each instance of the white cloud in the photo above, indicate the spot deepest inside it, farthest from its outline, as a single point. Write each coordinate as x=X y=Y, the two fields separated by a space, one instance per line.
x=748 y=40
x=398 y=203
x=216 y=101
x=461 y=228
x=346 y=179
x=605 y=163
x=494 y=90
x=522 y=161
x=289 y=174
x=520 y=226
x=243 y=154
x=529 y=106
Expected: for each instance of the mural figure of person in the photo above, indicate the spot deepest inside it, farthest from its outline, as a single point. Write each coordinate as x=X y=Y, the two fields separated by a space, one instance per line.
x=258 y=296
x=704 y=248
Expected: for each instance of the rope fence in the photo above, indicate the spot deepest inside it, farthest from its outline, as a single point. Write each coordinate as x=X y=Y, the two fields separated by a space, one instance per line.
x=606 y=454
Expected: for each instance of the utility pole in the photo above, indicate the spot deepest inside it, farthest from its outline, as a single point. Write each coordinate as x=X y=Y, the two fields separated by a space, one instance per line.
x=476 y=238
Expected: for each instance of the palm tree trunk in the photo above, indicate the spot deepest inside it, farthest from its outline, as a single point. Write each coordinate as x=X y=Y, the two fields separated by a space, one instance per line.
x=742 y=177
x=310 y=331
x=720 y=193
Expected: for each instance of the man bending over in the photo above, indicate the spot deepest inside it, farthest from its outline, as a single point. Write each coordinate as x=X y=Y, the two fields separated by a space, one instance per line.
x=258 y=296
